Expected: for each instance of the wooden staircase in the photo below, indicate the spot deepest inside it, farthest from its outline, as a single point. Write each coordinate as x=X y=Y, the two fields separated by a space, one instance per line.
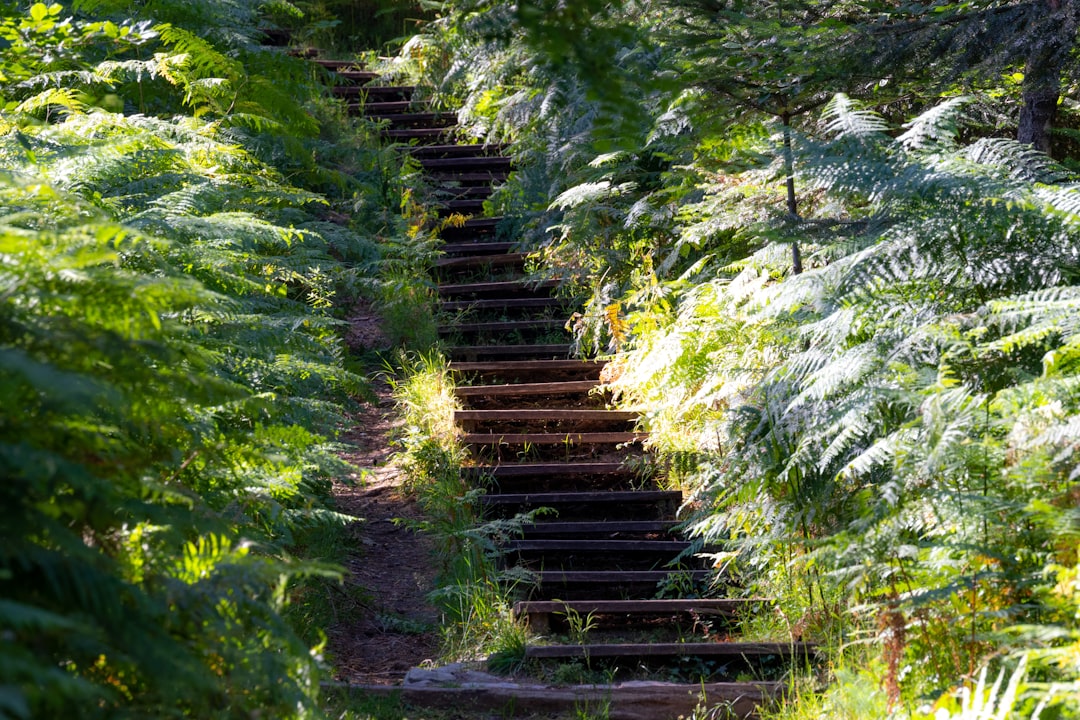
x=617 y=590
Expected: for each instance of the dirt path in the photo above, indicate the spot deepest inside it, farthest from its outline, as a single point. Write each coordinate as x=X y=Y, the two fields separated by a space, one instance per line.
x=390 y=627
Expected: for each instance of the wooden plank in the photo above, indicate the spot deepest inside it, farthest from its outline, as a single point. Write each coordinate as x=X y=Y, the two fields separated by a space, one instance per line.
x=473 y=261
x=491 y=176
x=484 y=191
x=406 y=134
x=478 y=247
x=713 y=649
x=383 y=107
x=546 y=414
x=632 y=701
x=598 y=527
x=458 y=150
x=340 y=66
x=493 y=351
x=467 y=163
x=529 y=469
x=497 y=303
x=485 y=223
x=420 y=117
x=619 y=546
x=711 y=606
x=497 y=286
x=524 y=389
x=614 y=577
x=524 y=365
x=501 y=326
x=598 y=438
x=461 y=206
x=620 y=497
x=370 y=90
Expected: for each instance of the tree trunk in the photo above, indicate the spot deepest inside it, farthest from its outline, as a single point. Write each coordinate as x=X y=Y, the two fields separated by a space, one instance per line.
x=1042 y=79
x=789 y=181
x=1037 y=112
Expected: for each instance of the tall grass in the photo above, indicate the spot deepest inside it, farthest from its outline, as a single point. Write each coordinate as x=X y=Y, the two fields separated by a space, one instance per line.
x=471 y=594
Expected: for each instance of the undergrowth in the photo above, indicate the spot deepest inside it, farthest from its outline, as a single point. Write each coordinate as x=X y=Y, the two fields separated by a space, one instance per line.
x=472 y=592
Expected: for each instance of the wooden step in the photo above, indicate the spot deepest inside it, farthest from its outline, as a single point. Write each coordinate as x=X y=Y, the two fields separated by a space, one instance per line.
x=404 y=92
x=501 y=303
x=712 y=606
x=490 y=177
x=535 y=370
x=593 y=554
x=417 y=134
x=476 y=191
x=477 y=248
x=623 y=547
x=502 y=326
x=443 y=119
x=552 y=499
x=540 y=613
x=459 y=207
x=550 y=351
x=729 y=650
x=525 y=389
x=471 y=228
x=619 y=584
x=457 y=150
x=506 y=287
x=341 y=67
x=372 y=94
x=569 y=439
x=517 y=470
x=477 y=261
x=617 y=701
x=466 y=164
x=565 y=476
x=359 y=77
x=609 y=528
x=526 y=414
x=382 y=107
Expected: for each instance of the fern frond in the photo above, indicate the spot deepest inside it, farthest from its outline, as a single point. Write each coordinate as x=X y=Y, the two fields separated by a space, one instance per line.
x=844 y=117
x=936 y=129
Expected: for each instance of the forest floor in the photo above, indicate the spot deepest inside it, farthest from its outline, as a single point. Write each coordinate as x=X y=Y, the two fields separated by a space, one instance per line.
x=390 y=626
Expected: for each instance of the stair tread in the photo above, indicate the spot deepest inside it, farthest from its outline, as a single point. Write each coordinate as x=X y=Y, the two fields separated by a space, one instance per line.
x=609 y=576
x=487 y=248
x=563 y=438
x=546 y=414
x=562 y=349
x=622 y=546
x=568 y=468
x=380 y=107
x=480 y=260
x=734 y=649
x=495 y=286
x=723 y=605
x=606 y=496
x=493 y=303
x=456 y=148
x=466 y=162
x=415 y=117
x=602 y=526
x=527 y=365
x=416 y=133
x=501 y=326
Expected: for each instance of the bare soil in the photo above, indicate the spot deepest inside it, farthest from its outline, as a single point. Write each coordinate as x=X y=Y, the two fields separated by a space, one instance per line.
x=392 y=627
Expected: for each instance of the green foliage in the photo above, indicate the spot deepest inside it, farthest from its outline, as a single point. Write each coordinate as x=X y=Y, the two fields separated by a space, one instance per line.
x=169 y=361
x=891 y=423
